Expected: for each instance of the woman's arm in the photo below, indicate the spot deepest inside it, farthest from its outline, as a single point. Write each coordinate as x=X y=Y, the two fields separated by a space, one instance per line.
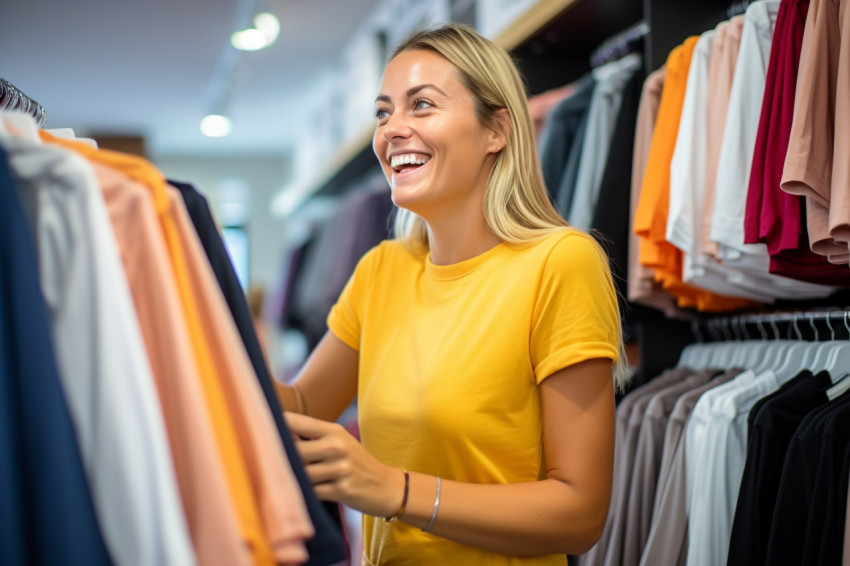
x=563 y=513
x=327 y=383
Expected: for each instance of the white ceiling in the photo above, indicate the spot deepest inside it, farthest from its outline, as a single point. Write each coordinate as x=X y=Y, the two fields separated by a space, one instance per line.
x=145 y=67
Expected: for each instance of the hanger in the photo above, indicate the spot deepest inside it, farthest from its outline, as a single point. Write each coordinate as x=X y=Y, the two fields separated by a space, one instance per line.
x=723 y=356
x=11 y=98
x=618 y=45
x=838 y=360
x=791 y=362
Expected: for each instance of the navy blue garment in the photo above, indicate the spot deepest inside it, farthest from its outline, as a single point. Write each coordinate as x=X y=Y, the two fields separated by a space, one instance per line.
x=328 y=546
x=46 y=510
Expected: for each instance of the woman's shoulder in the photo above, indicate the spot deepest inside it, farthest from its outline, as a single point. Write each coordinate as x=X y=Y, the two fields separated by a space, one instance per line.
x=565 y=243
x=390 y=250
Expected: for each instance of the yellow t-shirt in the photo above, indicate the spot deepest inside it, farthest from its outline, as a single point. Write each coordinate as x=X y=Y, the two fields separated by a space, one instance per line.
x=450 y=358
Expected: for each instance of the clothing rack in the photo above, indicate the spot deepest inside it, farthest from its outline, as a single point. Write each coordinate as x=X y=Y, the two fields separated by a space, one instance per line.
x=737 y=8
x=735 y=327
x=11 y=98
x=618 y=45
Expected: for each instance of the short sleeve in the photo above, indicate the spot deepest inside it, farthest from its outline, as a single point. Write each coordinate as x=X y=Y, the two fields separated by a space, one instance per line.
x=346 y=316
x=575 y=317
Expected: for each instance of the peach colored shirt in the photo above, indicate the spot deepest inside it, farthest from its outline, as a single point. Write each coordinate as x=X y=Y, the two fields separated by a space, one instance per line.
x=203 y=488
x=721 y=70
x=809 y=159
x=278 y=497
x=839 y=211
x=642 y=287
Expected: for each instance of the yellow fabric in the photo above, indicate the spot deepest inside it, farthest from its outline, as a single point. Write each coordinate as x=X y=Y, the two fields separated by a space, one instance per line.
x=231 y=455
x=450 y=360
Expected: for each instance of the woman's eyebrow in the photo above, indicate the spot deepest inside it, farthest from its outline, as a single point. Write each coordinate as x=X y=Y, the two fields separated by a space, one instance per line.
x=411 y=92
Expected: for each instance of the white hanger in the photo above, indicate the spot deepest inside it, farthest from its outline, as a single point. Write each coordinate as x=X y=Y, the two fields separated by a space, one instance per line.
x=723 y=356
x=838 y=361
x=691 y=352
x=791 y=362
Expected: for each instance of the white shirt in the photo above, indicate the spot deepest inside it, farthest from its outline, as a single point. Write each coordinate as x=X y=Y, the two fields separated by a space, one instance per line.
x=101 y=356
x=736 y=155
x=687 y=187
x=723 y=454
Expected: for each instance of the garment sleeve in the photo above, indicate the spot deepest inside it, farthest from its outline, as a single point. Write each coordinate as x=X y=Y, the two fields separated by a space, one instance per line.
x=575 y=317
x=346 y=316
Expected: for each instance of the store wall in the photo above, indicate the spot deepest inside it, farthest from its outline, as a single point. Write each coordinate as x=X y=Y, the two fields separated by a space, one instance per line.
x=239 y=190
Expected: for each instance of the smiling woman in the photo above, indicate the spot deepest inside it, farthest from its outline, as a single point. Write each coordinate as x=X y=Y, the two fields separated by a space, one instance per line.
x=483 y=343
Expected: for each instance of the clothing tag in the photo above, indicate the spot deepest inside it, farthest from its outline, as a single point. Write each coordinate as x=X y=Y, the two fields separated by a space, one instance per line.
x=842 y=384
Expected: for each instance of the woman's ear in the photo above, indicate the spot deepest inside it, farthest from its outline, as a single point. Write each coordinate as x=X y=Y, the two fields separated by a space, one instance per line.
x=500 y=129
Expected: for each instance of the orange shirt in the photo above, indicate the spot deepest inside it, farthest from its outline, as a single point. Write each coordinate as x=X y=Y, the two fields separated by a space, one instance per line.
x=200 y=476
x=282 y=510
x=231 y=455
x=650 y=221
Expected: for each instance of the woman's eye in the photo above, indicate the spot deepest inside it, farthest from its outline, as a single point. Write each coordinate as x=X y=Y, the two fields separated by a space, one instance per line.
x=382 y=114
x=421 y=104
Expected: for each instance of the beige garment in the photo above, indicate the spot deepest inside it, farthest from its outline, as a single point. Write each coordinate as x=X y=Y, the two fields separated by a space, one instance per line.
x=203 y=488
x=839 y=211
x=809 y=159
x=283 y=512
x=721 y=70
x=642 y=287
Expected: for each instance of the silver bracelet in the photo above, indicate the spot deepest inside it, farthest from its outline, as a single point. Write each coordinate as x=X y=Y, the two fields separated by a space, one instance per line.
x=436 y=508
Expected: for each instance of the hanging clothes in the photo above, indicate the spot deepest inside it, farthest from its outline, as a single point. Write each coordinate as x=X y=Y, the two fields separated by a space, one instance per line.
x=102 y=361
x=234 y=496
x=326 y=546
x=48 y=514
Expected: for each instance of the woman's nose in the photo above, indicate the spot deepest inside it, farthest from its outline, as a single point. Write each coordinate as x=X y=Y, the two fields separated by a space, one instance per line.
x=396 y=126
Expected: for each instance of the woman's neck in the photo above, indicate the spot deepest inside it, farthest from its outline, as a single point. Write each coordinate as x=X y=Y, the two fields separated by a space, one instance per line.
x=453 y=242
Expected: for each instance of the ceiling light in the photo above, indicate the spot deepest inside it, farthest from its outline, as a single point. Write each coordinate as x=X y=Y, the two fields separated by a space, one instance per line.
x=215 y=125
x=250 y=39
x=269 y=25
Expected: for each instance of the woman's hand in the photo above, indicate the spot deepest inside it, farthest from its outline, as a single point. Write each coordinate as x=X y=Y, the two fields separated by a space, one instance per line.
x=342 y=470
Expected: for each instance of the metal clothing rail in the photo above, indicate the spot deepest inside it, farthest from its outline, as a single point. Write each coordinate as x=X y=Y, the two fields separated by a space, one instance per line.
x=618 y=45
x=11 y=98
x=801 y=324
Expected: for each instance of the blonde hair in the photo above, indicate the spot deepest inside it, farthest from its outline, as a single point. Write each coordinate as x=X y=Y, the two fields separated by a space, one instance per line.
x=516 y=205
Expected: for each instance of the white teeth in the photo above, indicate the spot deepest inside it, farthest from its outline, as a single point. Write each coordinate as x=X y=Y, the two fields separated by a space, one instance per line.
x=408 y=159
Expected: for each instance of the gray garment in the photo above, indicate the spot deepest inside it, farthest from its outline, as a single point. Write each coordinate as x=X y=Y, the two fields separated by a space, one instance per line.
x=561 y=138
x=611 y=79
x=645 y=472
x=667 y=540
x=676 y=428
x=624 y=456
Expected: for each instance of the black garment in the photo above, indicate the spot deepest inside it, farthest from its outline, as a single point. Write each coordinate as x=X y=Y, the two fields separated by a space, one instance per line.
x=561 y=141
x=795 y=503
x=777 y=418
x=328 y=546
x=611 y=217
x=824 y=542
x=46 y=515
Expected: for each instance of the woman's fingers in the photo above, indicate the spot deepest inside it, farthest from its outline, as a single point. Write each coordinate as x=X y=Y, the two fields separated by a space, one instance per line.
x=306 y=427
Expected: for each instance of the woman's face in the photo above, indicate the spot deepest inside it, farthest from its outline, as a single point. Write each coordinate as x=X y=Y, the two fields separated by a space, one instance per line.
x=430 y=144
